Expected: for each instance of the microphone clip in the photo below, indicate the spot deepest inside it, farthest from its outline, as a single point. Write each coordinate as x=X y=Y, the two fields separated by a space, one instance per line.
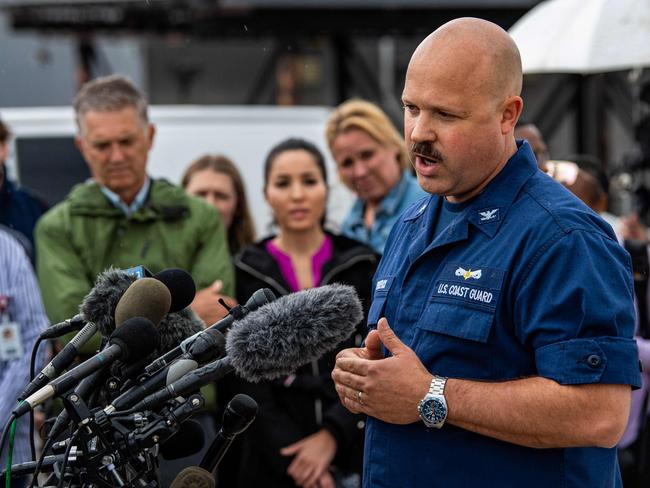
x=77 y=409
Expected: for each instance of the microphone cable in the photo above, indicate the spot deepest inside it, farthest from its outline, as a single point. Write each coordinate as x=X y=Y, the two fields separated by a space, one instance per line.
x=64 y=464
x=39 y=464
x=32 y=374
x=9 y=428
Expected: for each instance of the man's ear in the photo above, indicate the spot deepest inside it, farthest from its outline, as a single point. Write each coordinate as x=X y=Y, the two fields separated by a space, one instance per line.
x=151 y=134
x=512 y=108
x=78 y=141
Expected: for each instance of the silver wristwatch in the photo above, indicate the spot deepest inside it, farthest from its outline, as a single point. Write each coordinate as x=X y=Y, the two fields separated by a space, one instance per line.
x=433 y=407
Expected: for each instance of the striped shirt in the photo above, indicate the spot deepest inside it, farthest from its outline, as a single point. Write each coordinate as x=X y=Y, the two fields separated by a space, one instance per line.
x=17 y=281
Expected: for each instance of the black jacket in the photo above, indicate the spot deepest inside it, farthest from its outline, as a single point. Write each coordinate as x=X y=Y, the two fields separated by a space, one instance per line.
x=293 y=408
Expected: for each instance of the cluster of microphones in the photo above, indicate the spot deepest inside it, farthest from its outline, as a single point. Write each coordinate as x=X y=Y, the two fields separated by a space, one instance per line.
x=133 y=400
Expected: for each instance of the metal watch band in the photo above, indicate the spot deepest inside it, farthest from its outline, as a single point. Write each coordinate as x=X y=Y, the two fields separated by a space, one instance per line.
x=437 y=386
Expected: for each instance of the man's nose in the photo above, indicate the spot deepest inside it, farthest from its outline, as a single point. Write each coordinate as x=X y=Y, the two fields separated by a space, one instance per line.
x=117 y=153
x=422 y=129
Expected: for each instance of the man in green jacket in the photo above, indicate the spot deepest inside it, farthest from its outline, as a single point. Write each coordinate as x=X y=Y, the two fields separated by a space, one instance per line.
x=122 y=217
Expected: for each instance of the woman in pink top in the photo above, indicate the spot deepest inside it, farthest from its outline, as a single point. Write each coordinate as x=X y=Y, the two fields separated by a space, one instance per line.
x=302 y=435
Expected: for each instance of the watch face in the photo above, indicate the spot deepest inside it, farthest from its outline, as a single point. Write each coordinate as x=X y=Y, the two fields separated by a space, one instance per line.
x=433 y=410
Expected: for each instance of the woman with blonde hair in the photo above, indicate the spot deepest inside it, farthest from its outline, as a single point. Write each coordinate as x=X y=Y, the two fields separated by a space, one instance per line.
x=373 y=162
x=216 y=179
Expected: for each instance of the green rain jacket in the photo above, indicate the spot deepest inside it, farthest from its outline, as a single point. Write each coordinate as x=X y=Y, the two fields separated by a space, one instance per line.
x=85 y=234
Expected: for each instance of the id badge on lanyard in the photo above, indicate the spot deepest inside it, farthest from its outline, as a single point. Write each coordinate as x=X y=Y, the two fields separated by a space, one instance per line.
x=11 y=346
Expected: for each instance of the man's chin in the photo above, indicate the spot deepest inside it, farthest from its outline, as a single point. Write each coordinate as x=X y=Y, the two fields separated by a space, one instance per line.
x=432 y=185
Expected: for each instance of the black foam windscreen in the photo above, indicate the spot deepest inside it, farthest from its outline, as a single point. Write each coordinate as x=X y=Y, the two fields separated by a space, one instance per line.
x=137 y=336
x=243 y=405
x=189 y=440
x=181 y=287
x=146 y=297
x=239 y=414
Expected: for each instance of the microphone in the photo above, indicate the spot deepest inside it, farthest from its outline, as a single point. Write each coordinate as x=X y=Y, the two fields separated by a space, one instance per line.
x=84 y=389
x=239 y=414
x=192 y=381
x=193 y=477
x=146 y=297
x=143 y=298
x=177 y=327
x=181 y=287
x=57 y=330
x=98 y=307
x=259 y=298
x=283 y=335
x=135 y=338
x=61 y=361
x=27 y=468
x=276 y=339
x=207 y=347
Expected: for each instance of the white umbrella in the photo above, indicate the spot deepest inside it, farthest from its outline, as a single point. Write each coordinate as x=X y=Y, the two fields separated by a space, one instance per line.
x=584 y=36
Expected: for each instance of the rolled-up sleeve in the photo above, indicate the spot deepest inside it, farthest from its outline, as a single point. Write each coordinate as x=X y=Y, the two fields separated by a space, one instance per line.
x=575 y=309
x=579 y=361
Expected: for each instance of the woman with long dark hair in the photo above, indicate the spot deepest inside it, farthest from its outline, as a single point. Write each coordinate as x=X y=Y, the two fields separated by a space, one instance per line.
x=302 y=436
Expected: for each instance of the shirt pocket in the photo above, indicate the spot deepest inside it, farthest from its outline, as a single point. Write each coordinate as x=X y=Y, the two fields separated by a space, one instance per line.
x=463 y=302
x=457 y=320
x=379 y=297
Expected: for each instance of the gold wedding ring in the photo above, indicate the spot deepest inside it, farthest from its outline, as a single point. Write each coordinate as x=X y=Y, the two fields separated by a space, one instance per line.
x=359 y=399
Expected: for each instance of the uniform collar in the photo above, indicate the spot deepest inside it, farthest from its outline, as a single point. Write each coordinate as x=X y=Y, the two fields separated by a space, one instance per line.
x=488 y=210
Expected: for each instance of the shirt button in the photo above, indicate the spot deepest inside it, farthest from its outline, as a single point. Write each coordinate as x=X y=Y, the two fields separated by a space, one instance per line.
x=361 y=424
x=593 y=360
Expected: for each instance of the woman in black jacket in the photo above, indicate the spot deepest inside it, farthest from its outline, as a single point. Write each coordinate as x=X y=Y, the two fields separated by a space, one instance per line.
x=302 y=436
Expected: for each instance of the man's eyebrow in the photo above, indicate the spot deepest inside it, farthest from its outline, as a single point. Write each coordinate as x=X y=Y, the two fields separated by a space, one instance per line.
x=439 y=108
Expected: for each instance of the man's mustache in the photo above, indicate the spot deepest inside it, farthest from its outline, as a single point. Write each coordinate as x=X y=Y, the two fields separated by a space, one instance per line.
x=426 y=150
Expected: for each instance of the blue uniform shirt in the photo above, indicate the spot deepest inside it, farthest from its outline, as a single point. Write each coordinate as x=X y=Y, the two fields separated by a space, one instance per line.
x=525 y=281
x=398 y=199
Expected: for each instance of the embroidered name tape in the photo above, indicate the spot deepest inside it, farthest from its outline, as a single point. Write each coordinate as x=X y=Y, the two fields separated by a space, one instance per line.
x=479 y=285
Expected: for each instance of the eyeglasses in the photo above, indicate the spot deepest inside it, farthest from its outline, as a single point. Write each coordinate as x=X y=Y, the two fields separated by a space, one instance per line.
x=565 y=172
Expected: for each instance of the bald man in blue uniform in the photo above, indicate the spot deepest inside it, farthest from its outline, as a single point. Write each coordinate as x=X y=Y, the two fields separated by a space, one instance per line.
x=503 y=352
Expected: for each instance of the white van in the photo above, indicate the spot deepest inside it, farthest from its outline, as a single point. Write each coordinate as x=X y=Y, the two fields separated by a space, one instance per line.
x=43 y=155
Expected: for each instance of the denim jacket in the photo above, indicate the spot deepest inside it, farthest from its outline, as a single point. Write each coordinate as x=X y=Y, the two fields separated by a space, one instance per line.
x=394 y=203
